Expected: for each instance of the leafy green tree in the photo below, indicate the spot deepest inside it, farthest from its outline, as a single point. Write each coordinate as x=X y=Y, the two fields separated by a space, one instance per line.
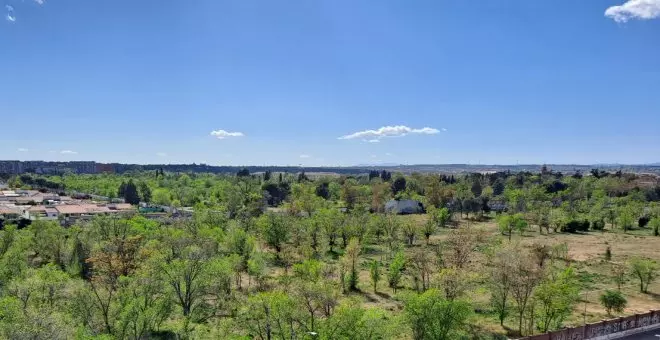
x=256 y=268
x=430 y=316
x=374 y=273
x=275 y=230
x=510 y=223
x=271 y=315
x=350 y=259
x=556 y=297
x=396 y=270
x=410 y=230
x=352 y=322
x=613 y=300
x=626 y=220
x=161 y=196
x=655 y=225
x=645 y=270
x=145 y=192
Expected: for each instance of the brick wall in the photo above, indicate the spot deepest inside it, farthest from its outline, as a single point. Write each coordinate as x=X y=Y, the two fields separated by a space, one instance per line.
x=602 y=328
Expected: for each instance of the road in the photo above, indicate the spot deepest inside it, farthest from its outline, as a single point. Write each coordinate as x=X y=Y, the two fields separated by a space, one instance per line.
x=650 y=335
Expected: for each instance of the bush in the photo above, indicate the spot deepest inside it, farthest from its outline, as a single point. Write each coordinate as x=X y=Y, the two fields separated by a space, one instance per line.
x=613 y=300
x=598 y=225
x=575 y=226
x=608 y=253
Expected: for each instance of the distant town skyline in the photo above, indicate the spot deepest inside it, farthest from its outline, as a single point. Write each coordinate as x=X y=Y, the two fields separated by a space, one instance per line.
x=331 y=83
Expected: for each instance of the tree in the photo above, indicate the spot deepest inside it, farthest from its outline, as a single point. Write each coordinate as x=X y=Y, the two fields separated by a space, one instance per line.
x=476 y=188
x=374 y=272
x=626 y=220
x=129 y=192
x=498 y=187
x=244 y=172
x=613 y=300
x=432 y=317
x=526 y=276
x=398 y=185
x=655 y=225
x=619 y=272
x=501 y=278
x=145 y=192
x=509 y=223
x=275 y=230
x=351 y=258
x=352 y=322
x=271 y=315
x=420 y=263
x=557 y=219
x=410 y=231
x=645 y=270
x=556 y=296
x=396 y=270
x=161 y=196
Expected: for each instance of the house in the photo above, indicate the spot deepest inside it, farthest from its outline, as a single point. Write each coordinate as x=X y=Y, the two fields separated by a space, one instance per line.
x=42 y=212
x=8 y=212
x=404 y=207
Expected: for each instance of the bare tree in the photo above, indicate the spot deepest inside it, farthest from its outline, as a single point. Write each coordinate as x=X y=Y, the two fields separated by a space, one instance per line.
x=526 y=276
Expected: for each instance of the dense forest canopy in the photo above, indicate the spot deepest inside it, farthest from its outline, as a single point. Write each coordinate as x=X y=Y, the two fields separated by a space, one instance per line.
x=308 y=256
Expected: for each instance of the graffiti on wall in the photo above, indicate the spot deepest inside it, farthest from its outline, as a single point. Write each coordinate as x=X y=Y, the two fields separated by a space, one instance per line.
x=603 y=328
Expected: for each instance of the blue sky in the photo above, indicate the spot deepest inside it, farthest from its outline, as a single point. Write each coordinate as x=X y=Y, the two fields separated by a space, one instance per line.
x=300 y=81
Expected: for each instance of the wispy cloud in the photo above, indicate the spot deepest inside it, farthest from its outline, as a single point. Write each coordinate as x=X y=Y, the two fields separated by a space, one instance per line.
x=11 y=17
x=444 y=129
x=372 y=140
x=388 y=154
x=222 y=134
x=634 y=9
x=40 y=2
x=22 y=150
x=68 y=152
x=305 y=156
x=161 y=154
x=389 y=131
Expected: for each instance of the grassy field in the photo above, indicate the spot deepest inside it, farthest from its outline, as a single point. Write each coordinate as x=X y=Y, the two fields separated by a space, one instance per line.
x=586 y=254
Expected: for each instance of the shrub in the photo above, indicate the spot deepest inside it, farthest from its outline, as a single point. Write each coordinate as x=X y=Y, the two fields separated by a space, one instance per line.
x=573 y=226
x=608 y=253
x=613 y=300
x=598 y=225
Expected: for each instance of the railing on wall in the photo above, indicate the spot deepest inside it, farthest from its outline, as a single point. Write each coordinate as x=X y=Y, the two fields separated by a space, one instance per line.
x=602 y=329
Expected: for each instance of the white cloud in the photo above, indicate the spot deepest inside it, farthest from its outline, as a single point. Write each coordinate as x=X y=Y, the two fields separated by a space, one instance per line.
x=372 y=140
x=22 y=150
x=634 y=9
x=389 y=131
x=222 y=134
x=305 y=156
x=11 y=17
x=68 y=152
x=161 y=154
x=40 y=2
x=444 y=130
x=388 y=154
